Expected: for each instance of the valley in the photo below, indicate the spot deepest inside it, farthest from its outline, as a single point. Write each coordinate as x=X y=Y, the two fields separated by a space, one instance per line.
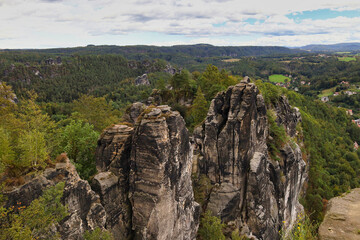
x=199 y=132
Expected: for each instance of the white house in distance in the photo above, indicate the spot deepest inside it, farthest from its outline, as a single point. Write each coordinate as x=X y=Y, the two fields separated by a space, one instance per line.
x=324 y=99
x=350 y=93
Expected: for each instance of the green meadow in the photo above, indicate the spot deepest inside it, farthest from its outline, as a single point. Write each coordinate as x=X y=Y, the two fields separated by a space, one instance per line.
x=278 y=78
x=346 y=59
x=327 y=92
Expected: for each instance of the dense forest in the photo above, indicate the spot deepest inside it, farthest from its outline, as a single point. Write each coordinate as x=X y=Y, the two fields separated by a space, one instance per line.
x=171 y=54
x=60 y=100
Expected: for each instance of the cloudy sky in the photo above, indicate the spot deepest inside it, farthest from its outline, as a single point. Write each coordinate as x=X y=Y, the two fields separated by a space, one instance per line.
x=68 y=23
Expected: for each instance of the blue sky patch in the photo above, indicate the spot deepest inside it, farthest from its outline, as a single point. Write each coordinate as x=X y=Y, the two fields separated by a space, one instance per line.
x=219 y=24
x=322 y=14
x=252 y=21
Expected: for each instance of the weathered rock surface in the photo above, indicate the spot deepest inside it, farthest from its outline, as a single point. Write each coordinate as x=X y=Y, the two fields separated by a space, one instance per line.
x=114 y=148
x=251 y=189
x=112 y=183
x=287 y=116
x=133 y=112
x=148 y=193
x=142 y=80
x=342 y=218
x=85 y=210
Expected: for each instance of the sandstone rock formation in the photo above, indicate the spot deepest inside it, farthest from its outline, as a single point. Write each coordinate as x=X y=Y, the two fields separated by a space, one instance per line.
x=145 y=183
x=85 y=210
x=133 y=112
x=170 y=69
x=143 y=189
x=142 y=80
x=251 y=190
x=342 y=219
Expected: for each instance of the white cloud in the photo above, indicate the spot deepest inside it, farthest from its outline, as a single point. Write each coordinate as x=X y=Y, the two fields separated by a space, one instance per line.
x=33 y=22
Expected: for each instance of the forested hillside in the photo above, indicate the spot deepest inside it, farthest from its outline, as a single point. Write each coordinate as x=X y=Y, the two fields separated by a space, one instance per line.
x=189 y=56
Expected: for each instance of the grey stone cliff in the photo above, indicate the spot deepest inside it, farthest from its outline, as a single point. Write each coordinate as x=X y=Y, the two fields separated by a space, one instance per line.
x=251 y=191
x=145 y=183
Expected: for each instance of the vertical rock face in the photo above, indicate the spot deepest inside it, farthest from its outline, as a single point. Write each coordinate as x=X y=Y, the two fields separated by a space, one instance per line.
x=145 y=183
x=161 y=191
x=250 y=189
x=112 y=183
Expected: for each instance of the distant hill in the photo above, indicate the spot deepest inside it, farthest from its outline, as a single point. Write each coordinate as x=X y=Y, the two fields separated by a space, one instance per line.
x=192 y=57
x=339 y=47
x=198 y=50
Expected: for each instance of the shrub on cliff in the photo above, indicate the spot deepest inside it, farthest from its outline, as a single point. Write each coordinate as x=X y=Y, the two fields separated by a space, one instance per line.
x=98 y=234
x=277 y=135
x=36 y=221
x=211 y=228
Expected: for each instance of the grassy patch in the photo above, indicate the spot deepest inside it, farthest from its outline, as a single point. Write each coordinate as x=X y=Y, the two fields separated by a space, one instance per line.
x=327 y=92
x=231 y=60
x=346 y=59
x=278 y=78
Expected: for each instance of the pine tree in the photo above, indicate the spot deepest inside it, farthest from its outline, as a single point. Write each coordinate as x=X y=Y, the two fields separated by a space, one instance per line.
x=199 y=108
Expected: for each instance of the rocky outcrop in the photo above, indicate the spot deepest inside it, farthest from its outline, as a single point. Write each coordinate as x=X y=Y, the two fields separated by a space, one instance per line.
x=133 y=112
x=251 y=190
x=85 y=210
x=170 y=69
x=145 y=183
x=342 y=218
x=142 y=80
x=143 y=189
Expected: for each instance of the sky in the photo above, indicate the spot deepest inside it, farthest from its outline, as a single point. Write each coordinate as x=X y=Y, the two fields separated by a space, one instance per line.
x=70 y=23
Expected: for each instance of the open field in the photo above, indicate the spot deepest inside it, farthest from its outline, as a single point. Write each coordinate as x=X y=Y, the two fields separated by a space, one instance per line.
x=327 y=92
x=346 y=59
x=231 y=60
x=278 y=78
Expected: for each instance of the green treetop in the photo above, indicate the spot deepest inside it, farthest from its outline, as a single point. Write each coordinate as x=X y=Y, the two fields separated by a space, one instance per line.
x=199 y=108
